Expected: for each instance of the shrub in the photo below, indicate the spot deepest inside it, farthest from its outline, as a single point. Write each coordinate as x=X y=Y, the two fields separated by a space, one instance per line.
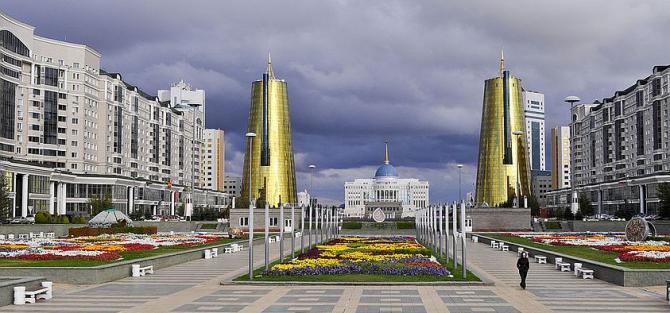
x=552 y=225
x=42 y=217
x=208 y=226
x=405 y=225
x=79 y=220
x=91 y=231
x=352 y=225
x=63 y=219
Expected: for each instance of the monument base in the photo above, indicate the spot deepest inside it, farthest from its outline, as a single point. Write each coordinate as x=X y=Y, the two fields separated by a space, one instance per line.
x=499 y=219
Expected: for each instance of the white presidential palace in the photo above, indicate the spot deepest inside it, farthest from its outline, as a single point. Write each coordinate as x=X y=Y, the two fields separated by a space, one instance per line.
x=396 y=197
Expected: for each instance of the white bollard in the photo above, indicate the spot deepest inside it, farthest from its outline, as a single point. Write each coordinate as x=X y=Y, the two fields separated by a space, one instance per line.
x=577 y=266
x=135 y=270
x=50 y=288
x=208 y=254
x=19 y=295
x=475 y=239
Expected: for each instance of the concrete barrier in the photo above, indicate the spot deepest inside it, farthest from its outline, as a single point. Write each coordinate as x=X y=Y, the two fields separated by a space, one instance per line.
x=618 y=275
x=108 y=272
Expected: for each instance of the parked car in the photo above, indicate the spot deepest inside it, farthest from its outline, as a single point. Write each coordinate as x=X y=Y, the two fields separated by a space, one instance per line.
x=21 y=220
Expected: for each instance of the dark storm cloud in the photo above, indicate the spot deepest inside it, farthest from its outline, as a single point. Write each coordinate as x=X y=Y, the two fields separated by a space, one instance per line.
x=360 y=72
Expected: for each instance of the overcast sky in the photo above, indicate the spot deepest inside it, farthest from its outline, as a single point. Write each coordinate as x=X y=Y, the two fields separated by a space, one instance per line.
x=362 y=71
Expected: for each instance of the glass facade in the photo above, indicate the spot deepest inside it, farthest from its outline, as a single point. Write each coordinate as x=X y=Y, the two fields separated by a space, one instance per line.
x=50 y=117
x=7 y=109
x=272 y=165
x=503 y=165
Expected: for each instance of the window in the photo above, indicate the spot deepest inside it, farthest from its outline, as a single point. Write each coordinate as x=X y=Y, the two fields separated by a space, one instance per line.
x=244 y=221
x=35 y=127
x=274 y=221
x=35 y=115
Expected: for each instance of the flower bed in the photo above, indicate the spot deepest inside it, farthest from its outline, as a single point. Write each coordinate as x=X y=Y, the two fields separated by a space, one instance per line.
x=633 y=251
x=401 y=256
x=100 y=248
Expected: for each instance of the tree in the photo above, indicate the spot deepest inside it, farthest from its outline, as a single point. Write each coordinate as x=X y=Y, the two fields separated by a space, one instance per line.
x=585 y=205
x=100 y=203
x=534 y=205
x=5 y=201
x=663 y=191
x=567 y=215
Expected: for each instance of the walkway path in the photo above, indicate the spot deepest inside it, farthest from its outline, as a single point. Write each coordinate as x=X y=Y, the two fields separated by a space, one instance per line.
x=194 y=287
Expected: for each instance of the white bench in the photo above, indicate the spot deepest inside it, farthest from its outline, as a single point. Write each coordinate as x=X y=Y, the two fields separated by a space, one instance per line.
x=564 y=267
x=3 y=237
x=272 y=239
x=138 y=271
x=24 y=236
x=576 y=267
x=475 y=239
x=586 y=273
x=215 y=252
x=51 y=235
x=227 y=250
x=10 y=236
x=298 y=234
x=556 y=261
x=504 y=247
x=541 y=259
x=495 y=244
x=208 y=254
x=237 y=247
x=519 y=252
x=23 y=296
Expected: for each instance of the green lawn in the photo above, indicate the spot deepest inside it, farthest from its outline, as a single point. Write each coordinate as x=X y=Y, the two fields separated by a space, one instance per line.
x=589 y=253
x=127 y=255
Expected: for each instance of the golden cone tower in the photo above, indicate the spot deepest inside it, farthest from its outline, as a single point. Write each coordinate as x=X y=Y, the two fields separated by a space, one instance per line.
x=272 y=164
x=502 y=172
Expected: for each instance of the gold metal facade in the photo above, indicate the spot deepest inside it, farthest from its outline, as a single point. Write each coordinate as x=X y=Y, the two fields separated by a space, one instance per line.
x=273 y=174
x=497 y=173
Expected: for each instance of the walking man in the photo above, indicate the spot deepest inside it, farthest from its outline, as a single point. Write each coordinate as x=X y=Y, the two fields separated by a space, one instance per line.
x=523 y=265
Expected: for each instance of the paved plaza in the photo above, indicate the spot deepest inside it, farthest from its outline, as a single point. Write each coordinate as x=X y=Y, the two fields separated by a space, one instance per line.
x=195 y=287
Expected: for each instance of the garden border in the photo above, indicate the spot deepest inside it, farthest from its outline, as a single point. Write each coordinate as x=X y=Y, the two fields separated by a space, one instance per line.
x=109 y=272
x=618 y=275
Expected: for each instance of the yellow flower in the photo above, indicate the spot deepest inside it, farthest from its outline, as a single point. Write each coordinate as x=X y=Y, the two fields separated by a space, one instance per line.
x=307 y=263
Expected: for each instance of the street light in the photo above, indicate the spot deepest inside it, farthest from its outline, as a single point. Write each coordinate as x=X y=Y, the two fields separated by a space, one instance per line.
x=518 y=133
x=183 y=107
x=460 y=167
x=309 y=204
x=574 y=205
x=250 y=222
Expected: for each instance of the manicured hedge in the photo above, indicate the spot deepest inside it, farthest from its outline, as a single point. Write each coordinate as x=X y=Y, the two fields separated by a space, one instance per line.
x=208 y=226
x=405 y=225
x=90 y=231
x=552 y=225
x=352 y=225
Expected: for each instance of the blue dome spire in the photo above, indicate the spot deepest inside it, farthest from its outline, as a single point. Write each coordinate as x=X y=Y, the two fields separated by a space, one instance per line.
x=386 y=170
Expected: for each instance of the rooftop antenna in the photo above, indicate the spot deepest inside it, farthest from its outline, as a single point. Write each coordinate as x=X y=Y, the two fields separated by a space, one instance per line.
x=502 y=62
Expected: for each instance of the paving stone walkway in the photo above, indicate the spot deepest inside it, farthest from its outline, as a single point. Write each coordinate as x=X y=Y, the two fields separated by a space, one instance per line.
x=195 y=287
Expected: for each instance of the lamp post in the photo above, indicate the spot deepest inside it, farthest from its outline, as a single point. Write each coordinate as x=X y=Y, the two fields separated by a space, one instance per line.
x=460 y=168
x=302 y=229
x=574 y=205
x=309 y=200
x=292 y=231
x=519 y=193
x=250 y=222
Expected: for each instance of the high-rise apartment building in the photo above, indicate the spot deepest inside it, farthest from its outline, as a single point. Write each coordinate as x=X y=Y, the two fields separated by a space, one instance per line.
x=560 y=157
x=213 y=161
x=503 y=169
x=534 y=117
x=70 y=131
x=621 y=147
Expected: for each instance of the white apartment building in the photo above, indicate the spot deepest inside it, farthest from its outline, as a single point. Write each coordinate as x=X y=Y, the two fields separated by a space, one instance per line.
x=397 y=197
x=620 y=147
x=560 y=157
x=534 y=117
x=71 y=131
x=213 y=163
